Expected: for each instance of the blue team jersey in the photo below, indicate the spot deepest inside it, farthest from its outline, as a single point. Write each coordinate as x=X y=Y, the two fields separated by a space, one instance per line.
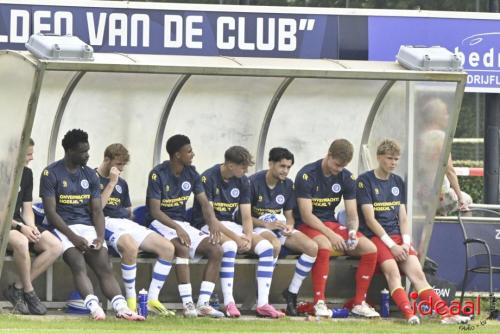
x=73 y=191
x=325 y=192
x=386 y=196
x=119 y=200
x=266 y=200
x=172 y=191
x=226 y=196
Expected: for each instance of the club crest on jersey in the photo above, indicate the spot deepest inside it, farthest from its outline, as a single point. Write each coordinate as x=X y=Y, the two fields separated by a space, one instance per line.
x=280 y=199
x=235 y=192
x=119 y=188
x=395 y=191
x=186 y=186
x=336 y=188
x=84 y=184
x=65 y=184
x=376 y=191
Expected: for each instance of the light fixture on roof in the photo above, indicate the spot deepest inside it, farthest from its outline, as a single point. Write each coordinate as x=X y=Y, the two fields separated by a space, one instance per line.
x=56 y=47
x=434 y=58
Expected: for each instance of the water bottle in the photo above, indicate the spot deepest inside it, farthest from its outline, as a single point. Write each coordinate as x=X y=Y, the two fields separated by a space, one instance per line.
x=384 y=303
x=340 y=313
x=142 y=307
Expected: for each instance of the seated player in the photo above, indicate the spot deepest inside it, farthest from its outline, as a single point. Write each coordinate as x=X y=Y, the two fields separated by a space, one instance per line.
x=126 y=236
x=381 y=203
x=319 y=187
x=273 y=198
x=227 y=189
x=23 y=236
x=169 y=188
x=71 y=197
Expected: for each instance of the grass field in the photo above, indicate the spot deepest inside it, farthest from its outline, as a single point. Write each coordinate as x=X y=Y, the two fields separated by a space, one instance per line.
x=64 y=324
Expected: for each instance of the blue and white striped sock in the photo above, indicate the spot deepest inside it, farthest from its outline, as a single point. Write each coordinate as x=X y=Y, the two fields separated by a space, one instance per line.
x=185 y=291
x=229 y=249
x=91 y=302
x=302 y=269
x=129 y=272
x=160 y=274
x=206 y=290
x=265 y=268
x=118 y=302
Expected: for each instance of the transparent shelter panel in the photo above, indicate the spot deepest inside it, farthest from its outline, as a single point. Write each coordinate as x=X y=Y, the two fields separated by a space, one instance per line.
x=119 y=108
x=217 y=112
x=14 y=100
x=421 y=117
x=53 y=88
x=314 y=112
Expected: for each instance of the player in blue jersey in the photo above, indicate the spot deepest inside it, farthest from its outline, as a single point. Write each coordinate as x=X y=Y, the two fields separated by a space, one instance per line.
x=71 y=198
x=319 y=187
x=23 y=236
x=228 y=191
x=126 y=236
x=272 y=197
x=169 y=187
x=381 y=200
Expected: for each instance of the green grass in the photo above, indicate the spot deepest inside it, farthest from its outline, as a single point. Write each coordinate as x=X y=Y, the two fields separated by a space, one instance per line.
x=61 y=324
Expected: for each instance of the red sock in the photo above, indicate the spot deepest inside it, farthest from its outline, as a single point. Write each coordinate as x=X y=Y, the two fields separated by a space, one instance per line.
x=319 y=274
x=431 y=295
x=401 y=299
x=364 y=276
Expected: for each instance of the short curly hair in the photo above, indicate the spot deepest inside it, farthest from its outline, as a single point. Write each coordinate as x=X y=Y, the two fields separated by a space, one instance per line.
x=388 y=146
x=74 y=137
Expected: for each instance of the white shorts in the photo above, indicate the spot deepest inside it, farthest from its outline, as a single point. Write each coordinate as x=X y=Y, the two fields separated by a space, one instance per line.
x=116 y=227
x=84 y=231
x=282 y=238
x=195 y=235
x=236 y=228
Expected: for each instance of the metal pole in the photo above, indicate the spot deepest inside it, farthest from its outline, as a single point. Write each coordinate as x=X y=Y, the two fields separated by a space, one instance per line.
x=492 y=139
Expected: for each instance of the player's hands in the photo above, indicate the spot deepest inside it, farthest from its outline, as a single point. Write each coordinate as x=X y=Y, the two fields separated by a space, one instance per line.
x=287 y=231
x=79 y=242
x=462 y=205
x=352 y=240
x=244 y=244
x=114 y=173
x=31 y=233
x=276 y=225
x=399 y=253
x=96 y=244
x=183 y=236
x=406 y=247
x=337 y=242
x=215 y=233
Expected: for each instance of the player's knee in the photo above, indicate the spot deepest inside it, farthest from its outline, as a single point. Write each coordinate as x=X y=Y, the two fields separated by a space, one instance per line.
x=393 y=276
x=367 y=246
x=323 y=243
x=311 y=249
x=181 y=251
x=165 y=249
x=19 y=244
x=214 y=253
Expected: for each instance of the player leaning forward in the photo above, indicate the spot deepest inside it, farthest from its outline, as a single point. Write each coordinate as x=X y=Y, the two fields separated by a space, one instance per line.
x=381 y=202
x=319 y=188
x=126 y=236
x=71 y=198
